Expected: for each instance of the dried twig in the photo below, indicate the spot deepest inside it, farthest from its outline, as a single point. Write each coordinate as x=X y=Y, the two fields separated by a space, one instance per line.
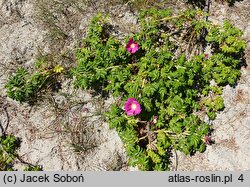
x=3 y=130
x=176 y=160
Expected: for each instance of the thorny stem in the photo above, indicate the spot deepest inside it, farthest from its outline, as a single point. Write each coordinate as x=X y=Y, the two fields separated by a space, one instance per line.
x=172 y=17
x=206 y=9
x=143 y=137
x=176 y=160
x=119 y=66
x=168 y=133
x=189 y=42
x=204 y=30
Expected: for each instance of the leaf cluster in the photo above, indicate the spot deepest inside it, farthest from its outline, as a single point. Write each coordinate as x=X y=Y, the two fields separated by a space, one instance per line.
x=8 y=151
x=162 y=79
x=9 y=146
x=24 y=86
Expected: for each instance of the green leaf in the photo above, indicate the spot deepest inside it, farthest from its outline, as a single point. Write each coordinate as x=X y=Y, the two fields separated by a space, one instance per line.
x=202 y=148
x=155 y=157
x=147 y=103
x=211 y=115
x=194 y=140
x=219 y=103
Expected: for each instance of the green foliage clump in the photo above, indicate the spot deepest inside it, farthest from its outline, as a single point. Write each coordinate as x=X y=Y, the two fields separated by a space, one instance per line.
x=26 y=87
x=167 y=83
x=33 y=168
x=9 y=146
x=227 y=45
x=8 y=152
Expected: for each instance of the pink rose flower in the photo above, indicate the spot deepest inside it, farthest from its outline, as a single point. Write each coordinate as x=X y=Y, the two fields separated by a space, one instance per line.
x=132 y=46
x=132 y=107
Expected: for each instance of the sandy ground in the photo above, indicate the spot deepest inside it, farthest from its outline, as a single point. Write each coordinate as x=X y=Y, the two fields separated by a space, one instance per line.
x=47 y=136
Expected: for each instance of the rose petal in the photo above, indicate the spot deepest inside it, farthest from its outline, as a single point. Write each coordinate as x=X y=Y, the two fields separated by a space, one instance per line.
x=129 y=109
